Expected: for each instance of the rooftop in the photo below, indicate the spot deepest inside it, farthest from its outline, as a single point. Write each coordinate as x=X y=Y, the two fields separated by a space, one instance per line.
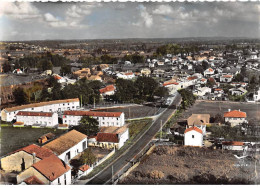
x=51 y=167
x=93 y=113
x=33 y=180
x=65 y=142
x=107 y=137
x=107 y=89
x=235 y=114
x=45 y=114
x=193 y=129
x=113 y=129
x=16 y=108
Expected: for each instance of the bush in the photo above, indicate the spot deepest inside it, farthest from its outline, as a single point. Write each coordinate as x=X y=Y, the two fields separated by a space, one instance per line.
x=156 y=174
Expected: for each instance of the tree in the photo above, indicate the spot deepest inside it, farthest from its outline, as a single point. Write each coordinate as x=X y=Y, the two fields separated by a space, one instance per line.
x=6 y=67
x=45 y=95
x=125 y=90
x=88 y=126
x=20 y=96
x=188 y=99
x=65 y=69
x=205 y=65
x=239 y=78
x=146 y=87
x=88 y=157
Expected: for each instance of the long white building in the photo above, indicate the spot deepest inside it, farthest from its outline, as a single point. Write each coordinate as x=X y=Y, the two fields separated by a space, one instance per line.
x=9 y=114
x=48 y=119
x=104 y=118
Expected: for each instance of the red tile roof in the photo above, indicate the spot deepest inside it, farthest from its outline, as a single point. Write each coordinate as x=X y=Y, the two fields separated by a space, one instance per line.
x=57 y=77
x=233 y=143
x=170 y=83
x=235 y=114
x=107 y=89
x=193 y=129
x=129 y=73
x=227 y=76
x=18 y=123
x=44 y=114
x=211 y=70
x=51 y=167
x=192 y=77
x=107 y=137
x=93 y=113
x=84 y=168
x=16 y=108
x=33 y=180
x=39 y=151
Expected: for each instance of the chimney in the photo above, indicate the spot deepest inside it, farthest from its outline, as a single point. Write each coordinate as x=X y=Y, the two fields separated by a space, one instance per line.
x=34 y=157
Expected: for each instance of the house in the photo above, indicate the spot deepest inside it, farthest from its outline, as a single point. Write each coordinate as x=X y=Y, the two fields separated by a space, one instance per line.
x=145 y=72
x=45 y=119
x=84 y=170
x=24 y=158
x=111 y=137
x=85 y=72
x=104 y=118
x=68 y=145
x=49 y=171
x=238 y=91
x=208 y=72
x=160 y=63
x=107 y=91
x=201 y=91
x=193 y=136
x=9 y=114
x=46 y=137
x=256 y=95
x=199 y=120
x=226 y=78
x=235 y=117
x=125 y=75
x=233 y=145
x=94 y=77
x=158 y=72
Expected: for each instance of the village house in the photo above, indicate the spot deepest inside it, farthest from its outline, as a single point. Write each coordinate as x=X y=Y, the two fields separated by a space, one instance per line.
x=45 y=119
x=24 y=158
x=110 y=137
x=226 y=78
x=256 y=95
x=68 y=145
x=9 y=114
x=145 y=72
x=84 y=72
x=49 y=171
x=46 y=137
x=125 y=75
x=232 y=145
x=104 y=118
x=238 y=91
x=208 y=72
x=107 y=91
x=235 y=117
x=199 y=120
x=193 y=136
x=201 y=91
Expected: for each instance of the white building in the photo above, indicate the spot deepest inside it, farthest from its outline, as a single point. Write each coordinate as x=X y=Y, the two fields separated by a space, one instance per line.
x=202 y=91
x=110 y=137
x=235 y=117
x=233 y=145
x=193 y=136
x=8 y=114
x=48 y=119
x=257 y=96
x=104 y=118
x=208 y=72
x=238 y=91
x=226 y=78
x=68 y=145
x=125 y=75
x=49 y=171
x=107 y=91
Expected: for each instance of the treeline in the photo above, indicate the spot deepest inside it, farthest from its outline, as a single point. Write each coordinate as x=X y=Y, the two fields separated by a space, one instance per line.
x=141 y=90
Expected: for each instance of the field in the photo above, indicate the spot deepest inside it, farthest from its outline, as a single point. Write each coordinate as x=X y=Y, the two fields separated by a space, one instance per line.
x=190 y=165
x=137 y=126
x=14 y=138
x=214 y=107
x=135 y=111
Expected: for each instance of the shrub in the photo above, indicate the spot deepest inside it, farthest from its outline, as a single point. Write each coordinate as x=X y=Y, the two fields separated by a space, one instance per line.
x=156 y=174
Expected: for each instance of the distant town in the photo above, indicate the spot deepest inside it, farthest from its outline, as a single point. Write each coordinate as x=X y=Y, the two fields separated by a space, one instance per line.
x=130 y=111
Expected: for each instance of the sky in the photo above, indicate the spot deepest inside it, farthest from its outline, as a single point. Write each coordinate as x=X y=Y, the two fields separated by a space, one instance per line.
x=44 y=21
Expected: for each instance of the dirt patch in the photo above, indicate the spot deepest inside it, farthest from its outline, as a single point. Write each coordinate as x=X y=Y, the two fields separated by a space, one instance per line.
x=189 y=165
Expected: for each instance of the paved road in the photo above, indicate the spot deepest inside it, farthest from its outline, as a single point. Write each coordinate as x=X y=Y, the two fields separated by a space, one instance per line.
x=106 y=174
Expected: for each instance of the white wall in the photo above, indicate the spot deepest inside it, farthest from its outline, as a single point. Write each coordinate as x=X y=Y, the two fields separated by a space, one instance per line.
x=61 y=179
x=9 y=116
x=196 y=141
x=123 y=138
x=235 y=121
x=75 y=150
x=103 y=121
x=30 y=120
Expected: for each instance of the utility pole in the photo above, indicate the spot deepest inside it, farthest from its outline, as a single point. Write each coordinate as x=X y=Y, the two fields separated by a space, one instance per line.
x=161 y=132
x=80 y=101
x=94 y=102
x=129 y=112
x=112 y=175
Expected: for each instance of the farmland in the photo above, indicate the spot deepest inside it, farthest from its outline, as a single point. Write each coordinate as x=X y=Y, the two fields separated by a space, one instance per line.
x=190 y=165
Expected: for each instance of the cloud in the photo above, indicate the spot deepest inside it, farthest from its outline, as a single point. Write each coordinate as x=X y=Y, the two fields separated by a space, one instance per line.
x=21 y=10
x=146 y=19
x=163 y=10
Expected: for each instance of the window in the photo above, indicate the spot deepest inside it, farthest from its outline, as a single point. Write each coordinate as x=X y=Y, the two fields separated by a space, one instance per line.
x=84 y=145
x=192 y=136
x=50 y=110
x=63 y=104
x=116 y=118
x=68 y=103
x=32 y=108
x=68 y=156
x=103 y=118
x=58 y=181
